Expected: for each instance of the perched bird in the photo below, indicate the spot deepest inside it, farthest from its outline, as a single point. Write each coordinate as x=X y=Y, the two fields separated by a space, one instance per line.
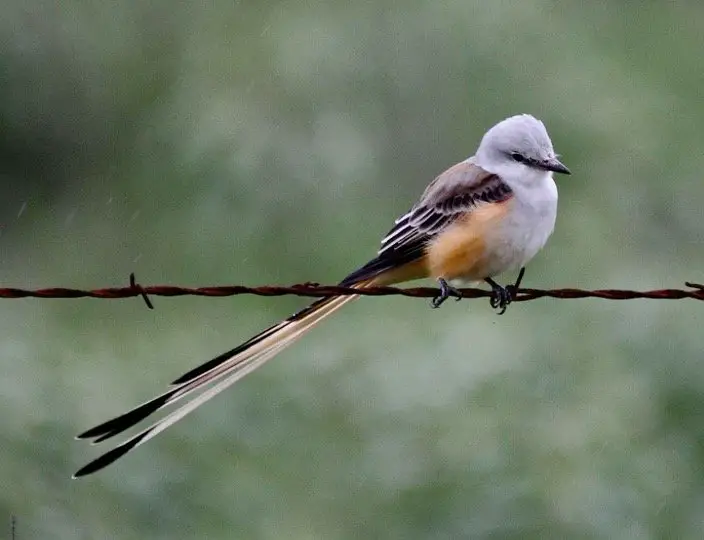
x=488 y=214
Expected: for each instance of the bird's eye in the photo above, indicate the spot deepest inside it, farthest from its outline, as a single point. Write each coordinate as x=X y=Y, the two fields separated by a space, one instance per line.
x=517 y=157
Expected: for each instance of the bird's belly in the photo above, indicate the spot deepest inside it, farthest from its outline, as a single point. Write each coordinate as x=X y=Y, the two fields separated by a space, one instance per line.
x=511 y=251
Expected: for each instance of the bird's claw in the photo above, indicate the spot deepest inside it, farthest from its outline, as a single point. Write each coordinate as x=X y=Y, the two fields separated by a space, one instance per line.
x=446 y=290
x=501 y=297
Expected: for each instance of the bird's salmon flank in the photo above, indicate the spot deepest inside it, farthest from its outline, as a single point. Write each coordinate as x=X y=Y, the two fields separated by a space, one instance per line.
x=463 y=251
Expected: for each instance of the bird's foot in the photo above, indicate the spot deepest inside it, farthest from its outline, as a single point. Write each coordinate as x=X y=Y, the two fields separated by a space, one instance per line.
x=501 y=297
x=446 y=290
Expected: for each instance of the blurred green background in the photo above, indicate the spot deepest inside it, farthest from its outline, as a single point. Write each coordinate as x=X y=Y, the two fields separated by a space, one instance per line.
x=274 y=142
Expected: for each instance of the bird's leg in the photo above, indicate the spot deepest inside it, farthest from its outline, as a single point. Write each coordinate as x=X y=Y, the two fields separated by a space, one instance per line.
x=513 y=289
x=500 y=296
x=446 y=290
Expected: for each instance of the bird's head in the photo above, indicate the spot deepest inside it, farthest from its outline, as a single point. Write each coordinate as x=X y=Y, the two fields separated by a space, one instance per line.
x=518 y=145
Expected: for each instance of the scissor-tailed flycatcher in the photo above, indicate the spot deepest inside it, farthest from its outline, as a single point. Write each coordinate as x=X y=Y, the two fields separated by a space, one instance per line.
x=488 y=214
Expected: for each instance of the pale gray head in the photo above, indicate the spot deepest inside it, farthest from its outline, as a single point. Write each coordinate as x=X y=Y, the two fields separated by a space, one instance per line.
x=518 y=143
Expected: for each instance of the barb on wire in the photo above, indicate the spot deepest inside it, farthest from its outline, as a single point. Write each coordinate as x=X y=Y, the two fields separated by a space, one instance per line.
x=138 y=288
x=695 y=292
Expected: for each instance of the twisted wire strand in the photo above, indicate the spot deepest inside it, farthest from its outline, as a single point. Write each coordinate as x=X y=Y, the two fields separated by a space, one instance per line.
x=695 y=291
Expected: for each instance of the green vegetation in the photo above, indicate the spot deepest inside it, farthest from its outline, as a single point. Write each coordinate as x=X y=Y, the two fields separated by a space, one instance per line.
x=275 y=142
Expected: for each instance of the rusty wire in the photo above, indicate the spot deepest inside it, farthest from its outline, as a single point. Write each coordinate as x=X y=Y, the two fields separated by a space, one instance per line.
x=695 y=292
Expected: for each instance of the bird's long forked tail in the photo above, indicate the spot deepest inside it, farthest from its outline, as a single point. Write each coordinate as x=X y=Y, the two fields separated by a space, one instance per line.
x=212 y=377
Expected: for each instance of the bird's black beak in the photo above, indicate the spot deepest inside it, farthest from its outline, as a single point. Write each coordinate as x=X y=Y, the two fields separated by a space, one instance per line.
x=555 y=165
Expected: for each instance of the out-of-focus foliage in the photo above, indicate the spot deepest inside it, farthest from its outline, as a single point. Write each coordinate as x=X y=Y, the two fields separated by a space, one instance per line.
x=274 y=142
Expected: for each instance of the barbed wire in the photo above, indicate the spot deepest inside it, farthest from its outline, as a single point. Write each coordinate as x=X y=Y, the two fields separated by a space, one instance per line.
x=315 y=290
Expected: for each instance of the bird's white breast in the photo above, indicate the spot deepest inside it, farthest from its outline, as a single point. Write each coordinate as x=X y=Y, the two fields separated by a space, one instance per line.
x=526 y=227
